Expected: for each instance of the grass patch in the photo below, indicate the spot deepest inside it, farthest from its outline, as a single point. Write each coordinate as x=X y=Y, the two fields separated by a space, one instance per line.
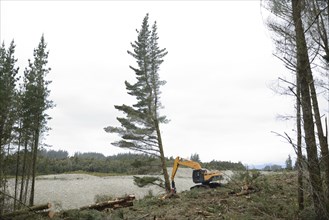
x=84 y=214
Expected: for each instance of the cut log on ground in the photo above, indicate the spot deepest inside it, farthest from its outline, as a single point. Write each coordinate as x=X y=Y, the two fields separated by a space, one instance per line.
x=114 y=204
x=30 y=210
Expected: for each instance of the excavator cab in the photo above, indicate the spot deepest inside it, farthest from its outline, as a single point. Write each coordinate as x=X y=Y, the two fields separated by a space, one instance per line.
x=206 y=177
x=198 y=176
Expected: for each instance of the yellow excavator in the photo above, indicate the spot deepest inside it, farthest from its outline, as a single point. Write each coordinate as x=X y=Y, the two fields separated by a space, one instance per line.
x=205 y=177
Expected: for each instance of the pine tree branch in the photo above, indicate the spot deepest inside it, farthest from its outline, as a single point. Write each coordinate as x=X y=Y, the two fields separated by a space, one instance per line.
x=315 y=19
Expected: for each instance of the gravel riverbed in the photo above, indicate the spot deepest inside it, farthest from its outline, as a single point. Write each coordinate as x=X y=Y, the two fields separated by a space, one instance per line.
x=70 y=191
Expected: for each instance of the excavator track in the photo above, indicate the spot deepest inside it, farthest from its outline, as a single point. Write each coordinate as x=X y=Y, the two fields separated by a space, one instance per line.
x=200 y=187
x=215 y=185
x=206 y=186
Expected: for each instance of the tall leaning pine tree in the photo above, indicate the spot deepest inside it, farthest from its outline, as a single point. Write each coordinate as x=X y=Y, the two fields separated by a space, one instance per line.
x=140 y=128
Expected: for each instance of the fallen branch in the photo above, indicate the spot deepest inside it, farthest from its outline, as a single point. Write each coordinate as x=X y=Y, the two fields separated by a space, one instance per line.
x=148 y=180
x=36 y=209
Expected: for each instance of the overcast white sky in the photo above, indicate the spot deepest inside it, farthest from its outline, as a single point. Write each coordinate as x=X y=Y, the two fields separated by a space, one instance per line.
x=218 y=71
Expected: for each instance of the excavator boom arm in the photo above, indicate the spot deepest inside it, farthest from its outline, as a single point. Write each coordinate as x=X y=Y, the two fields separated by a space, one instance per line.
x=188 y=163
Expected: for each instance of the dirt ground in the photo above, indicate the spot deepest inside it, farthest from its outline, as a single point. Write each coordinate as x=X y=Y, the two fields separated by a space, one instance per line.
x=271 y=196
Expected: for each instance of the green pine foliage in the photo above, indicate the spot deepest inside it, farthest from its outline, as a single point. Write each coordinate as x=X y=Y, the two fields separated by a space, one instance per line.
x=8 y=80
x=148 y=180
x=36 y=92
x=138 y=127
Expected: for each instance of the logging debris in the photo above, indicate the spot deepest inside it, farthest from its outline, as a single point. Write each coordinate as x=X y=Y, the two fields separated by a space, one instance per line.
x=43 y=209
x=113 y=204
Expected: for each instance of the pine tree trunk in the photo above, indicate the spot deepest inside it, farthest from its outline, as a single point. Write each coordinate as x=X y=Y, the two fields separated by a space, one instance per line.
x=2 y=169
x=17 y=169
x=311 y=148
x=322 y=138
x=299 y=148
x=322 y=30
x=163 y=159
x=16 y=175
x=21 y=195
x=1 y=176
x=27 y=181
x=34 y=162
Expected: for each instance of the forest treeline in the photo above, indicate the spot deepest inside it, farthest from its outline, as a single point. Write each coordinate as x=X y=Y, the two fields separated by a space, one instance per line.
x=59 y=161
x=24 y=100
